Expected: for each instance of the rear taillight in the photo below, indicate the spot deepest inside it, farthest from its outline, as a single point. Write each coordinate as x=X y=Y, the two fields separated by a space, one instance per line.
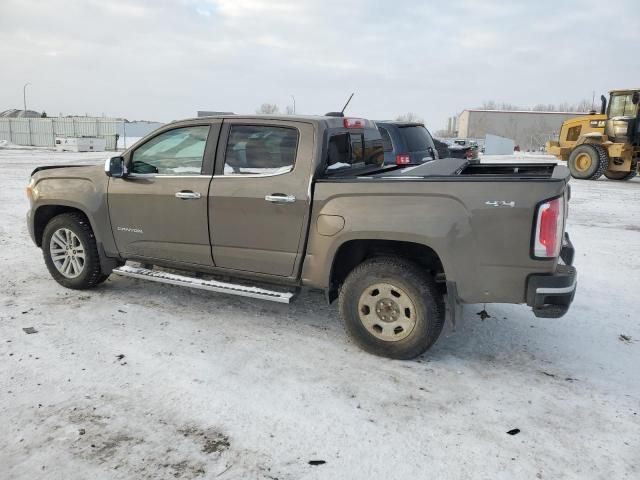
x=403 y=159
x=548 y=234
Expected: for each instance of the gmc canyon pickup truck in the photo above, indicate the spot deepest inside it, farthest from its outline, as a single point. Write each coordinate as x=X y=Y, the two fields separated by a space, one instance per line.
x=263 y=206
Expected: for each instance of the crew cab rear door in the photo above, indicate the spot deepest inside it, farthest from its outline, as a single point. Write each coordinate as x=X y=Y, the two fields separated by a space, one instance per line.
x=159 y=210
x=259 y=198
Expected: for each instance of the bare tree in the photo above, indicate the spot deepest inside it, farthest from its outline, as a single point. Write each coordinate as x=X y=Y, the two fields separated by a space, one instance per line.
x=409 y=117
x=582 y=106
x=268 y=109
x=489 y=105
x=444 y=134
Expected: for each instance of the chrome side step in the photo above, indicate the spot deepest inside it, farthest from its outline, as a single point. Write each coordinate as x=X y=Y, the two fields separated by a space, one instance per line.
x=211 y=285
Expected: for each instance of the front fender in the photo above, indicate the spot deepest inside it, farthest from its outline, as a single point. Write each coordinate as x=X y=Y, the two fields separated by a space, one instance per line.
x=82 y=189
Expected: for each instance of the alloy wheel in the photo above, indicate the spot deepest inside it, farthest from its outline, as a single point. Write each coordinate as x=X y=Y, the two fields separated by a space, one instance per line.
x=67 y=252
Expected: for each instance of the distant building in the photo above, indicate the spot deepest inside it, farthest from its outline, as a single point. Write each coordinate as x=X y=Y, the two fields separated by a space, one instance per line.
x=528 y=129
x=15 y=113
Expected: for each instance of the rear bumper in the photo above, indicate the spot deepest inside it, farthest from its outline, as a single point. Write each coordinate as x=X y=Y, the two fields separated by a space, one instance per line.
x=550 y=295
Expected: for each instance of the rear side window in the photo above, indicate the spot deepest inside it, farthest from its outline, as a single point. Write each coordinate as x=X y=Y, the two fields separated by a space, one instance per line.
x=387 y=145
x=260 y=149
x=355 y=149
x=417 y=138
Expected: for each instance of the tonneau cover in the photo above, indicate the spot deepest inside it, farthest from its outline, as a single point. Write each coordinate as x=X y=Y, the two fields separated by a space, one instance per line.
x=444 y=167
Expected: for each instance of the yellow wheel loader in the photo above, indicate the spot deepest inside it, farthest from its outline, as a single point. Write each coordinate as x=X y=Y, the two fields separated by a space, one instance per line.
x=606 y=143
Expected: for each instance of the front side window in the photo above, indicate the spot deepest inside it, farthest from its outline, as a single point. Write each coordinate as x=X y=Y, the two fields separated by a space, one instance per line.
x=175 y=152
x=260 y=149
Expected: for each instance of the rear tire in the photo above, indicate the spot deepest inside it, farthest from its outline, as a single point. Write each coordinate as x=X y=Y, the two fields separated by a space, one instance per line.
x=70 y=252
x=588 y=162
x=621 y=175
x=392 y=308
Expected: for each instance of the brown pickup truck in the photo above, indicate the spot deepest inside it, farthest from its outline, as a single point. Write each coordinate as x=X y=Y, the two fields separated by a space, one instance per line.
x=262 y=206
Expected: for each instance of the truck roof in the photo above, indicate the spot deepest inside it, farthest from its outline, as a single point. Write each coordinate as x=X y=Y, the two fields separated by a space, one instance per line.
x=400 y=123
x=330 y=122
x=624 y=90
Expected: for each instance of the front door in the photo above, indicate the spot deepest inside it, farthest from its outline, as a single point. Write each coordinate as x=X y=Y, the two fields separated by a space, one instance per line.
x=259 y=197
x=159 y=211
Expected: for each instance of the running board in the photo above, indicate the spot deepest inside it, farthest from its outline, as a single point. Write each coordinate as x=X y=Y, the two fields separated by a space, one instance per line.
x=211 y=285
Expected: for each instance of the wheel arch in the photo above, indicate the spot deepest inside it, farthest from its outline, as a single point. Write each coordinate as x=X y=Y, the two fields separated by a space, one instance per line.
x=351 y=253
x=44 y=213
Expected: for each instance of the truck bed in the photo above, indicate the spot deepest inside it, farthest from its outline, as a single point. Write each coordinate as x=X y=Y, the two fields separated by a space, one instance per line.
x=462 y=170
x=477 y=218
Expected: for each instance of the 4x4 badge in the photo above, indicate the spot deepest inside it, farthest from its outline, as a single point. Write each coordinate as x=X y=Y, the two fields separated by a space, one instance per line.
x=500 y=203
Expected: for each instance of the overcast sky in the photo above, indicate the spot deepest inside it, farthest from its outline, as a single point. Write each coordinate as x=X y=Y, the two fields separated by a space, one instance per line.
x=164 y=60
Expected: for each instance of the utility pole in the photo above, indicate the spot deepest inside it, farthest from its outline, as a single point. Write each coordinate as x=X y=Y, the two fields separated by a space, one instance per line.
x=294 y=104
x=24 y=96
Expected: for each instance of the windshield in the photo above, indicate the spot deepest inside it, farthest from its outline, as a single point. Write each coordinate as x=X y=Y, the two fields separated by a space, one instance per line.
x=417 y=138
x=622 y=106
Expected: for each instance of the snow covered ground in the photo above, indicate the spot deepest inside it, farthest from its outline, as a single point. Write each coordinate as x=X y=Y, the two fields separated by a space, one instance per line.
x=142 y=380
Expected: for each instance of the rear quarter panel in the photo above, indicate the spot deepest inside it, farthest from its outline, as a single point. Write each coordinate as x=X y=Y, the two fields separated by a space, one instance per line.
x=483 y=248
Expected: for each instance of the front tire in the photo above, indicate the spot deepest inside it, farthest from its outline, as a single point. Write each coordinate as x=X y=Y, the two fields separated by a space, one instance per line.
x=70 y=252
x=392 y=308
x=588 y=162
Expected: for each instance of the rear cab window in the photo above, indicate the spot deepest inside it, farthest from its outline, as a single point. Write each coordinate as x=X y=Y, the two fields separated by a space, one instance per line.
x=353 y=150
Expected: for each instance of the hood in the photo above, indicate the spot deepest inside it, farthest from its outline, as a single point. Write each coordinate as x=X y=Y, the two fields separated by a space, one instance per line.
x=51 y=167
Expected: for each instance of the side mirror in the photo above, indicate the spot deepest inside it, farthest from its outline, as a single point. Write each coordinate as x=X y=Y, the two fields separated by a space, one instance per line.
x=115 y=167
x=635 y=98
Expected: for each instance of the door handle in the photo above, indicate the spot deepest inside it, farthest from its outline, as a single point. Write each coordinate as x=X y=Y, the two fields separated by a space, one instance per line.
x=280 y=198
x=188 y=195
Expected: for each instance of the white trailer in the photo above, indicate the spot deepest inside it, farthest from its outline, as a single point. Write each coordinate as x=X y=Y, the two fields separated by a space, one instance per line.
x=80 y=144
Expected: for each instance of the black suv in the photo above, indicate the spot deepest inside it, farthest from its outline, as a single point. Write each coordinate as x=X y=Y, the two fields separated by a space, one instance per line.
x=406 y=143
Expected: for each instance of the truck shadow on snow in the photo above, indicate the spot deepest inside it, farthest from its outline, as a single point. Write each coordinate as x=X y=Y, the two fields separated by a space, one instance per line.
x=503 y=334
